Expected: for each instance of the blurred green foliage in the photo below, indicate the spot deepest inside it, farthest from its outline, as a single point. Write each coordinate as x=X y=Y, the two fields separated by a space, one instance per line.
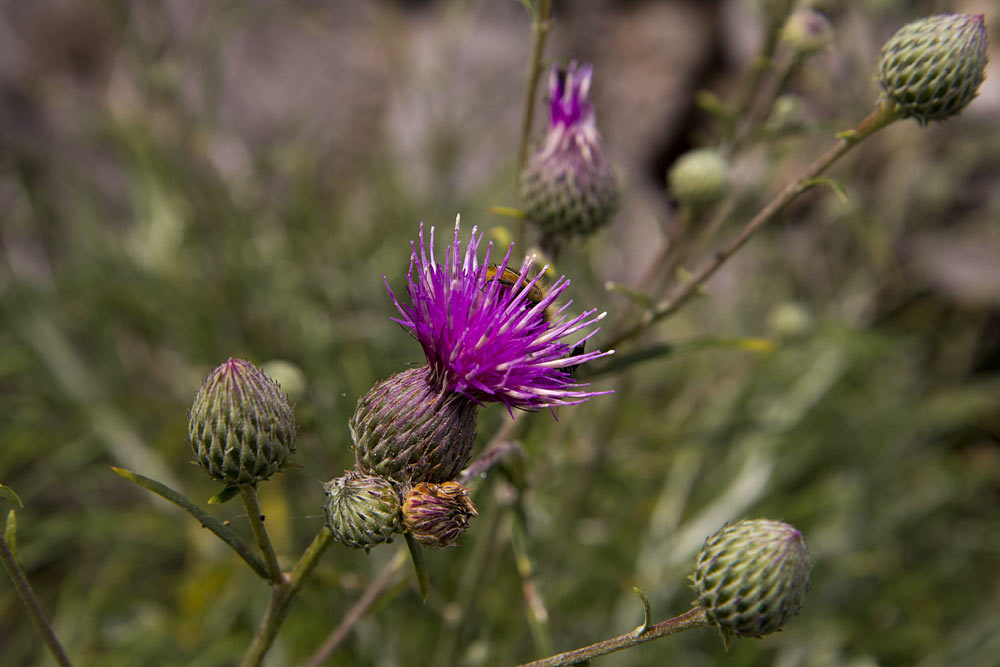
x=136 y=258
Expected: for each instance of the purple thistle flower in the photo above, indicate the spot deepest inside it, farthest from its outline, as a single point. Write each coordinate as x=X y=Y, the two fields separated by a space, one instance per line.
x=568 y=185
x=488 y=340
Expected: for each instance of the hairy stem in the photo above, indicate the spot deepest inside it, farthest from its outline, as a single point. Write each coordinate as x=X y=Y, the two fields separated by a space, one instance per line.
x=27 y=595
x=692 y=619
x=882 y=116
x=252 y=505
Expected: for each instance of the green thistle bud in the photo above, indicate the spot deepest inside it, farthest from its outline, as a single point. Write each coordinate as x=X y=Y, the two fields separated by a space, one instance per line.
x=807 y=32
x=568 y=185
x=437 y=514
x=241 y=427
x=699 y=179
x=750 y=577
x=932 y=68
x=409 y=430
x=362 y=510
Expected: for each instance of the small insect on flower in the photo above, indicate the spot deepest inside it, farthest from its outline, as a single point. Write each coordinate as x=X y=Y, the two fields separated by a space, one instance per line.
x=511 y=279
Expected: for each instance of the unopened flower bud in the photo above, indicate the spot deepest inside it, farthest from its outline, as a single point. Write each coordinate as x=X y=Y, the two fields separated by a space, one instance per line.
x=437 y=514
x=699 y=179
x=568 y=185
x=807 y=32
x=932 y=68
x=750 y=577
x=408 y=429
x=241 y=427
x=362 y=510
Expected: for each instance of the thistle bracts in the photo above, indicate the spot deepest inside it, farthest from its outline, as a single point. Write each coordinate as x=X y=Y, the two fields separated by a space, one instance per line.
x=362 y=510
x=241 y=427
x=568 y=186
x=750 y=577
x=437 y=514
x=407 y=429
x=932 y=68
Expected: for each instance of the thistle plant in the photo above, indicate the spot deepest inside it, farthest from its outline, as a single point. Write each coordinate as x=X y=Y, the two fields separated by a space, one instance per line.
x=501 y=338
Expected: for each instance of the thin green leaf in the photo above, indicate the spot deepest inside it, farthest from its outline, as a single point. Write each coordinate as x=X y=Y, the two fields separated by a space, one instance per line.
x=223 y=532
x=635 y=296
x=507 y=212
x=10 y=532
x=417 y=556
x=837 y=188
x=645 y=611
x=225 y=495
x=8 y=494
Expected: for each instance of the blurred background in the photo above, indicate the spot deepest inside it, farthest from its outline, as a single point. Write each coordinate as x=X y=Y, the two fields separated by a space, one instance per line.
x=181 y=182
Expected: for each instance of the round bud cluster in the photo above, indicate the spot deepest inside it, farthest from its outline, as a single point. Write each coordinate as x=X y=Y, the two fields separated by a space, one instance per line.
x=241 y=427
x=932 y=68
x=437 y=514
x=362 y=510
x=751 y=576
x=699 y=179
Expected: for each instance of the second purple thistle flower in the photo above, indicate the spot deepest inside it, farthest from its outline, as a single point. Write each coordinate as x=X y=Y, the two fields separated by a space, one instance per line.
x=494 y=339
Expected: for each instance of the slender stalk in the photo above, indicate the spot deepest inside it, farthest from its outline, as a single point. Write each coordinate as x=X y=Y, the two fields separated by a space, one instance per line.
x=692 y=619
x=370 y=596
x=538 y=615
x=27 y=595
x=882 y=116
x=541 y=23
x=283 y=591
x=252 y=505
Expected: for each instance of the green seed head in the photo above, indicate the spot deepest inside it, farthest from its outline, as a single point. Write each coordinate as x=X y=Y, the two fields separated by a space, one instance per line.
x=699 y=179
x=362 y=510
x=932 y=68
x=437 y=514
x=408 y=430
x=241 y=427
x=750 y=577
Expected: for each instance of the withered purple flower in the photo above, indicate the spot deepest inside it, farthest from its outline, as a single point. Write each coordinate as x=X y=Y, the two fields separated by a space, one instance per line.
x=494 y=340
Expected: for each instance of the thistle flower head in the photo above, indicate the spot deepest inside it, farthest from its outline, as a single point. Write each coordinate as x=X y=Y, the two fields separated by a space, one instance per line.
x=932 y=68
x=407 y=429
x=750 y=577
x=362 y=510
x=241 y=427
x=491 y=340
x=437 y=514
x=568 y=185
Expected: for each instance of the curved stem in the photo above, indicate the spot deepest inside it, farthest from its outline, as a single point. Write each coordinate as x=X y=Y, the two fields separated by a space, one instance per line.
x=692 y=619
x=882 y=116
x=252 y=505
x=27 y=595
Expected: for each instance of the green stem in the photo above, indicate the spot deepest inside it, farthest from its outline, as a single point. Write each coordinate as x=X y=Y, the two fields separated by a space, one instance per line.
x=283 y=591
x=692 y=619
x=882 y=116
x=30 y=602
x=541 y=23
x=538 y=615
x=252 y=505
